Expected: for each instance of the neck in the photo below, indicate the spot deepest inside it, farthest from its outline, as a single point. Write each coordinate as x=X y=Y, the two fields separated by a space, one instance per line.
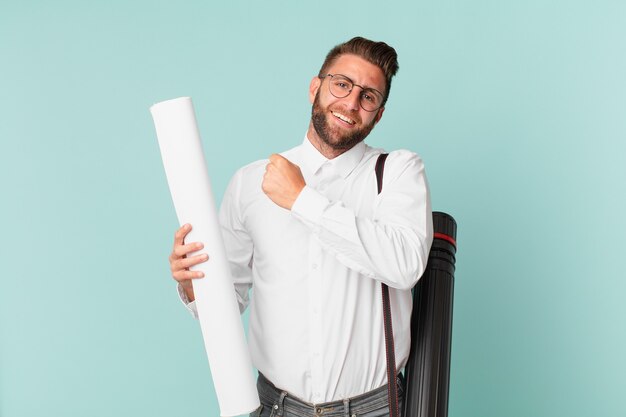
x=323 y=148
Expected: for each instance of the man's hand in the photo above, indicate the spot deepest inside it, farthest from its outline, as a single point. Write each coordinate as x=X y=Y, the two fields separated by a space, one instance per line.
x=282 y=181
x=180 y=263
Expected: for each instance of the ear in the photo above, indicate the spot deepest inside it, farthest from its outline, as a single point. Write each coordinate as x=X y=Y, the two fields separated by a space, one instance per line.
x=379 y=115
x=313 y=87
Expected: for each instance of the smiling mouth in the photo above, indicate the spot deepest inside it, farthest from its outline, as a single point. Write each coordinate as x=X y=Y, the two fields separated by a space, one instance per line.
x=343 y=118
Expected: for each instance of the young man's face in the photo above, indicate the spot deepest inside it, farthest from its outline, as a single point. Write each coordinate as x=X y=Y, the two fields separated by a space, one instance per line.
x=341 y=123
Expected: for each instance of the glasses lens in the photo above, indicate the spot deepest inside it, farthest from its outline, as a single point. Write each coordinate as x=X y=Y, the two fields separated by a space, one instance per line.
x=340 y=86
x=371 y=100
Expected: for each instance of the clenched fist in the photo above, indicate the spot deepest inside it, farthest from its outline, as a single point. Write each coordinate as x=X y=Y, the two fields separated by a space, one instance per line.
x=282 y=181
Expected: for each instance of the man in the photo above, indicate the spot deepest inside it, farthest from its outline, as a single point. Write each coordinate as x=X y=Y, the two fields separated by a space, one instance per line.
x=309 y=232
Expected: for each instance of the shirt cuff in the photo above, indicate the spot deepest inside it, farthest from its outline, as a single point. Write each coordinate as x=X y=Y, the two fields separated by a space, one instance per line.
x=190 y=305
x=310 y=205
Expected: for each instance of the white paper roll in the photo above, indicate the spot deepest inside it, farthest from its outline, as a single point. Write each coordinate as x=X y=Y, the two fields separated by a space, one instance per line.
x=218 y=312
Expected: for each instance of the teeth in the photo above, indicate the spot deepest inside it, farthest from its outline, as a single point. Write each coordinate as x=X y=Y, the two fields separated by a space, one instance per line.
x=344 y=118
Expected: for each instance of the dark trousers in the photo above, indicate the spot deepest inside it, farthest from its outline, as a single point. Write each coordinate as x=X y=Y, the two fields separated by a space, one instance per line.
x=276 y=402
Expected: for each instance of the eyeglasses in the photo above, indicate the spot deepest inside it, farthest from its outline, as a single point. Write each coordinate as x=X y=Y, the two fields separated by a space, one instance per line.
x=341 y=86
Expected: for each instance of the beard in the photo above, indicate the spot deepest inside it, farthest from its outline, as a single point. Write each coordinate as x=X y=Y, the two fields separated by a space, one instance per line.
x=332 y=136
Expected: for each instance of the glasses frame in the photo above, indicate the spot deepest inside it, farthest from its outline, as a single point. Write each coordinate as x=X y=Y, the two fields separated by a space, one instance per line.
x=350 y=91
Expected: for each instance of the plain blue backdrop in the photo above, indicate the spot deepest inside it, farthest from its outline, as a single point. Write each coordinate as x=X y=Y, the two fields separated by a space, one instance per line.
x=518 y=109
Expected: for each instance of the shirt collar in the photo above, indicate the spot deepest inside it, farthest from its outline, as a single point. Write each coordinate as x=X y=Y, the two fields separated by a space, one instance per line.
x=343 y=165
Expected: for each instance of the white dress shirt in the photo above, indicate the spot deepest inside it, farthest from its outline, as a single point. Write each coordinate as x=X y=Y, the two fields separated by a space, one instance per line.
x=316 y=321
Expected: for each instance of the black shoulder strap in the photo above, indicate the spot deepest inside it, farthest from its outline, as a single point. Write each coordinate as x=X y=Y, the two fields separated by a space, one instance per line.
x=392 y=388
x=380 y=167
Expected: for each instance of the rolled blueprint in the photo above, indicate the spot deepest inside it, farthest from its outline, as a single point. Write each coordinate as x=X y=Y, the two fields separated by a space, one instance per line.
x=218 y=312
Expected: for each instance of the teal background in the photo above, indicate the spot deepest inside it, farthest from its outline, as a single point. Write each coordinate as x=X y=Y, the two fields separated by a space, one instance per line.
x=518 y=109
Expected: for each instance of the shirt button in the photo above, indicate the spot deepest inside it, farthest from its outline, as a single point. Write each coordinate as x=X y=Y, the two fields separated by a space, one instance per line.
x=314 y=266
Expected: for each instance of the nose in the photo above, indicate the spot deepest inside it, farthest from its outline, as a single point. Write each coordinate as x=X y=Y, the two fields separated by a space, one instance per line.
x=353 y=100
